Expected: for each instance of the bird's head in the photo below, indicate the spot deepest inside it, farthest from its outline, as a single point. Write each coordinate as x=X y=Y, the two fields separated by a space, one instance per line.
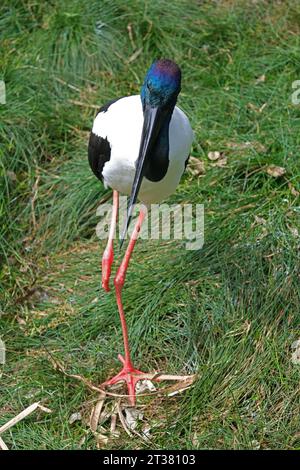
x=158 y=94
x=161 y=85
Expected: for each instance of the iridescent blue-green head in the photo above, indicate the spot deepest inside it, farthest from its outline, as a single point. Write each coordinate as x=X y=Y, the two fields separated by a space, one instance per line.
x=162 y=84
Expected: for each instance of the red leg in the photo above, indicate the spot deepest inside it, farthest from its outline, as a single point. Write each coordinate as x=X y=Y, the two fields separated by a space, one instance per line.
x=128 y=374
x=108 y=254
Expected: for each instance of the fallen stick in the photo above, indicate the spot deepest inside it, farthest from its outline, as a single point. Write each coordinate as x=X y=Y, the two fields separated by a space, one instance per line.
x=3 y=446
x=157 y=376
x=23 y=415
x=122 y=419
x=96 y=412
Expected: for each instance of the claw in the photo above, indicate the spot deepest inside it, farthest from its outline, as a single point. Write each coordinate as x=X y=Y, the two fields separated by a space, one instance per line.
x=128 y=374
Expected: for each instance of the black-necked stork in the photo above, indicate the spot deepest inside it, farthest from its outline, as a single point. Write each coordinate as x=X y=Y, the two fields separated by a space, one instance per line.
x=139 y=146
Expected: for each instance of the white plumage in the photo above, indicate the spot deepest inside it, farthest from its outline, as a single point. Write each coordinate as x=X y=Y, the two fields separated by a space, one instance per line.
x=122 y=125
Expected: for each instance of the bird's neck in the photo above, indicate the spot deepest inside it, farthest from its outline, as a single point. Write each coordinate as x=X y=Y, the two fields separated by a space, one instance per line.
x=159 y=161
x=163 y=135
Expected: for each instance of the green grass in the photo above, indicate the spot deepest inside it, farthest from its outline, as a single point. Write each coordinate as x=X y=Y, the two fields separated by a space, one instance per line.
x=229 y=311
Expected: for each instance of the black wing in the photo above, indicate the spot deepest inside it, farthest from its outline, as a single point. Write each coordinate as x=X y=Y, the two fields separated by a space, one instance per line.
x=186 y=162
x=98 y=153
x=99 y=148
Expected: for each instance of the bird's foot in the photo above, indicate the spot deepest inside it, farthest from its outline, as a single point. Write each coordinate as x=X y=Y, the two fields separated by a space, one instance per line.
x=130 y=376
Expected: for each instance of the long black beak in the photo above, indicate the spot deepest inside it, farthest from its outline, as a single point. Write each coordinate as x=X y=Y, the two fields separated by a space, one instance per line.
x=153 y=118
